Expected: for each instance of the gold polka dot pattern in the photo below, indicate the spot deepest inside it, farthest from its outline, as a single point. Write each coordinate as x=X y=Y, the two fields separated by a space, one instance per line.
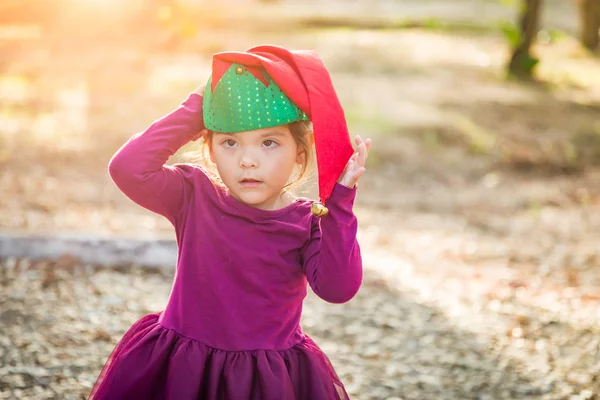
x=240 y=102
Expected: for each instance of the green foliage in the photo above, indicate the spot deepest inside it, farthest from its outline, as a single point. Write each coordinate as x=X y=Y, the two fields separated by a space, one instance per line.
x=433 y=24
x=522 y=63
x=526 y=63
x=551 y=36
x=369 y=120
x=512 y=34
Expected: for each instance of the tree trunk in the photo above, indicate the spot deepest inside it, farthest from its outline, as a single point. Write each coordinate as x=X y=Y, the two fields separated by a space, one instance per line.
x=589 y=22
x=521 y=62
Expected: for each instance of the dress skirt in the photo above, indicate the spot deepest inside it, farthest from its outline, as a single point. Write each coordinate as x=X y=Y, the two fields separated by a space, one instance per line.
x=154 y=362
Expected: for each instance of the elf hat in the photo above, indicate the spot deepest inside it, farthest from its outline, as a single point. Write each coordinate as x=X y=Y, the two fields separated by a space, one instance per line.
x=269 y=86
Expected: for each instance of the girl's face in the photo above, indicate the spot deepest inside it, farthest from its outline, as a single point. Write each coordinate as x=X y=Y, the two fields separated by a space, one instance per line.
x=256 y=165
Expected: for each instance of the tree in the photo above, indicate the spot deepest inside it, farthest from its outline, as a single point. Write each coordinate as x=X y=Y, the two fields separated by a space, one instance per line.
x=589 y=22
x=522 y=63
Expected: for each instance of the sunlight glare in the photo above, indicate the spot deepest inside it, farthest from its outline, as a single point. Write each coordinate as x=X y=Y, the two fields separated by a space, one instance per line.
x=98 y=1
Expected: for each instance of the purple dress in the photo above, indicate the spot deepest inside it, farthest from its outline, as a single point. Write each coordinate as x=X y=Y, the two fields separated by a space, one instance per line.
x=231 y=328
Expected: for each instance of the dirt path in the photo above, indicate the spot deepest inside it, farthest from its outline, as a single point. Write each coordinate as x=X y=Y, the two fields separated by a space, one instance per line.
x=411 y=333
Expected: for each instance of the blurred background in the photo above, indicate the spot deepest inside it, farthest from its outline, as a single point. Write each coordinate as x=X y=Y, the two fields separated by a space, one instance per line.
x=479 y=212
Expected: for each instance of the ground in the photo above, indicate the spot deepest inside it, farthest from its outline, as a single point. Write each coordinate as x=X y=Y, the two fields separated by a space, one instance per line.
x=479 y=211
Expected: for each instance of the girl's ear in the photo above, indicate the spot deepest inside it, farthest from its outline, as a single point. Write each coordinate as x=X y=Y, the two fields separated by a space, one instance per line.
x=301 y=156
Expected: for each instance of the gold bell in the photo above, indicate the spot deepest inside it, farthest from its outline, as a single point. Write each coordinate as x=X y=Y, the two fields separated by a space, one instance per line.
x=239 y=70
x=318 y=209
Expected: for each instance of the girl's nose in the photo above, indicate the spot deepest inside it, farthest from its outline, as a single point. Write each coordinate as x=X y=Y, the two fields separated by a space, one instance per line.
x=248 y=161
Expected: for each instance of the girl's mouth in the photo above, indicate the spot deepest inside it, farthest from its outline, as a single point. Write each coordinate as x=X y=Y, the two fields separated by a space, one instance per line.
x=250 y=182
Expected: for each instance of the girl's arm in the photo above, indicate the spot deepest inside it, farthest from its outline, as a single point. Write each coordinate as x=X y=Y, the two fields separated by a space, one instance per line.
x=332 y=261
x=331 y=258
x=138 y=168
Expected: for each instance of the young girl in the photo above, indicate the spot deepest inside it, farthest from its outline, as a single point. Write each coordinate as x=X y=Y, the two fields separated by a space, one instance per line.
x=247 y=247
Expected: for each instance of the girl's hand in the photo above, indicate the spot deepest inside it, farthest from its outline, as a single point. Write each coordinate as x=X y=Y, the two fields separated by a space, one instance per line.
x=200 y=89
x=356 y=165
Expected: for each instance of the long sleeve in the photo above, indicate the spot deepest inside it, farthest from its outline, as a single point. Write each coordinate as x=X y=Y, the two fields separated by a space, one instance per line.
x=331 y=258
x=138 y=168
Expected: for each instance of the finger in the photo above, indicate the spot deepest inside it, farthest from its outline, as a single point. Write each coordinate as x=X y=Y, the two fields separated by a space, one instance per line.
x=362 y=155
x=367 y=149
x=351 y=163
x=358 y=140
x=359 y=173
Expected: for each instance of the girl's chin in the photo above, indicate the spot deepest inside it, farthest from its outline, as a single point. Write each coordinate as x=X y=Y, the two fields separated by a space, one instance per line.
x=259 y=201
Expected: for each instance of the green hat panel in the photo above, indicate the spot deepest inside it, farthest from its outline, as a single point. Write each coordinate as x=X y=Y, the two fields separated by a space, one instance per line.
x=241 y=102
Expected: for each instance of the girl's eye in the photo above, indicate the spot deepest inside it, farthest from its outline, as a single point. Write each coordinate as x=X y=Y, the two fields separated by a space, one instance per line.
x=269 y=143
x=229 y=143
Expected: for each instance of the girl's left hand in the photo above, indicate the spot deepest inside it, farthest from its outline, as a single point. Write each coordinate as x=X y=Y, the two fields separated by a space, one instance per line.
x=356 y=165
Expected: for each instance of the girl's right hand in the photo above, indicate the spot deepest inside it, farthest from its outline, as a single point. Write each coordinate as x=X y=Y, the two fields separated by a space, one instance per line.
x=200 y=89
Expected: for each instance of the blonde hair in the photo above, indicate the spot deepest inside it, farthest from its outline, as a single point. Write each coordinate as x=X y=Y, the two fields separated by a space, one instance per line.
x=302 y=134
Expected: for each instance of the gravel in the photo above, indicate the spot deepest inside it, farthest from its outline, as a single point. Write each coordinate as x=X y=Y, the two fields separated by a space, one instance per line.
x=60 y=321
